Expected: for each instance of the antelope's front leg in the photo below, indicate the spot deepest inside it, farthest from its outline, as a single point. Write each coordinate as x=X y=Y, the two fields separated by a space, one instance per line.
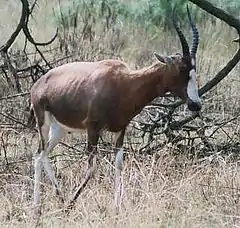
x=118 y=169
x=93 y=137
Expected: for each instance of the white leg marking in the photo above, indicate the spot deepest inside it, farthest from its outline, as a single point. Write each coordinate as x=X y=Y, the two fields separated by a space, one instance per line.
x=54 y=136
x=119 y=179
x=38 y=167
x=37 y=178
x=50 y=173
x=119 y=159
x=192 y=88
x=91 y=168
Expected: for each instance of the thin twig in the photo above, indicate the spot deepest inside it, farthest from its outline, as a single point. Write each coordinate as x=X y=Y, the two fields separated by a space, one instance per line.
x=15 y=95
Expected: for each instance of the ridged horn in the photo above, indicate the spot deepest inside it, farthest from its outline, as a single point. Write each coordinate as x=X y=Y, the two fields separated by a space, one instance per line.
x=185 y=47
x=193 y=51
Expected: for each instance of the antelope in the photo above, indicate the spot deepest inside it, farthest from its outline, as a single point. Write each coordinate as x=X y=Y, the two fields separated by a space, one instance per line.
x=106 y=95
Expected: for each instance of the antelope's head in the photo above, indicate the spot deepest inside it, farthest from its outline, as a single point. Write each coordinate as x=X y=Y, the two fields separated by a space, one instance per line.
x=181 y=80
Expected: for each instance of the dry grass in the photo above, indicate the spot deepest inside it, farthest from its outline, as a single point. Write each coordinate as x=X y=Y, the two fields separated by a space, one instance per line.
x=171 y=188
x=164 y=190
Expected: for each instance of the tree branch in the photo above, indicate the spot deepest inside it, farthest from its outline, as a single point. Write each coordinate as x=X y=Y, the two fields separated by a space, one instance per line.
x=23 y=24
x=231 y=21
x=12 y=38
x=219 y=13
x=221 y=74
x=27 y=32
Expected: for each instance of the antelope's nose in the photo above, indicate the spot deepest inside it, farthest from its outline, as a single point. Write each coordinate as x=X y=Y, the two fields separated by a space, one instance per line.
x=194 y=106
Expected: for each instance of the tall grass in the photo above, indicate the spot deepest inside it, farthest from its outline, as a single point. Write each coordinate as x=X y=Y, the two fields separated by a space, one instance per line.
x=175 y=186
x=145 y=14
x=167 y=189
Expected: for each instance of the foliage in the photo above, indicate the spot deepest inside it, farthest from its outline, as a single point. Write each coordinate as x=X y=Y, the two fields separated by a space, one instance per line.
x=147 y=14
x=142 y=13
x=231 y=6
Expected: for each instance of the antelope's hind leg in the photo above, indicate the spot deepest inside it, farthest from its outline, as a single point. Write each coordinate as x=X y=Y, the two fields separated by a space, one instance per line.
x=43 y=130
x=56 y=133
x=50 y=133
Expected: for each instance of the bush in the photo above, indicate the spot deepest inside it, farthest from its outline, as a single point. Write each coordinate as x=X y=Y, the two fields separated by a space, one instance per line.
x=143 y=13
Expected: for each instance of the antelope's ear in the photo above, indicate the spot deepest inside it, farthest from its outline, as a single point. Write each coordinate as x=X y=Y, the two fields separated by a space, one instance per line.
x=161 y=58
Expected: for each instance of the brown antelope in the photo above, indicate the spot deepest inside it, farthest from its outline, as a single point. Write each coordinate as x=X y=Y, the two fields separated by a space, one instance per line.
x=106 y=95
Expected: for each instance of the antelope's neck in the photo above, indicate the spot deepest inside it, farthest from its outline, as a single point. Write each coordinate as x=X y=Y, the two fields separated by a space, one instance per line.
x=147 y=84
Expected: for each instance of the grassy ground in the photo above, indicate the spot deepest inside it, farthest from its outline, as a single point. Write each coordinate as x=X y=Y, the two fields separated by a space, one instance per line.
x=164 y=190
x=172 y=188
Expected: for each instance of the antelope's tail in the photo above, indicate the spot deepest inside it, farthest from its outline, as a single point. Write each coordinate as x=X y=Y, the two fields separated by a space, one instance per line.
x=31 y=123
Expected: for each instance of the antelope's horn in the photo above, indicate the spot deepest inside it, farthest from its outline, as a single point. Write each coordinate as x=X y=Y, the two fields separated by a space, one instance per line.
x=193 y=51
x=185 y=47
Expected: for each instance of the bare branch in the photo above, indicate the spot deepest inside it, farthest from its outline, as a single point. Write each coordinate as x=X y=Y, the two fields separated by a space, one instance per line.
x=221 y=74
x=33 y=6
x=231 y=21
x=23 y=25
x=236 y=40
x=12 y=38
x=219 y=13
x=12 y=70
x=15 y=95
x=31 y=40
x=44 y=59
x=27 y=32
x=178 y=124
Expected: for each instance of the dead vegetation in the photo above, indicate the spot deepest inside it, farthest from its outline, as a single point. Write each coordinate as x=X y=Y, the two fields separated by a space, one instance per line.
x=179 y=171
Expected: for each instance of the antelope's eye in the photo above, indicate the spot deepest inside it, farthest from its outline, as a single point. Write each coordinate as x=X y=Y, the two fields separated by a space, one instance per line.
x=183 y=68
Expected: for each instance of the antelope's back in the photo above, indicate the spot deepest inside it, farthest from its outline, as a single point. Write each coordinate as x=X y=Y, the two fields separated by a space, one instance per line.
x=73 y=91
